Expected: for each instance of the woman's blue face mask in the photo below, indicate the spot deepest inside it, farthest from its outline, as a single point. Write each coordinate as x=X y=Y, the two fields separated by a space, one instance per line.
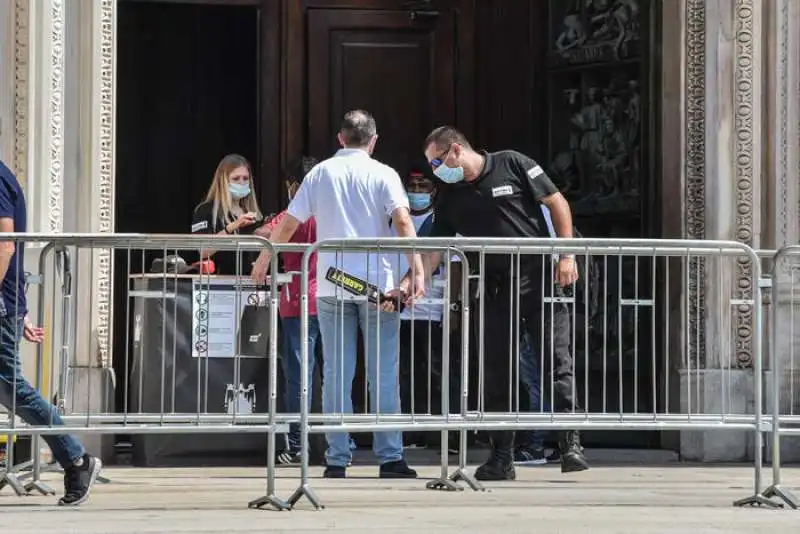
x=239 y=191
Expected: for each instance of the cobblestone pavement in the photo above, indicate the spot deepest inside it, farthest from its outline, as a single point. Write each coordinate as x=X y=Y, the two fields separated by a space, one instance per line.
x=611 y=499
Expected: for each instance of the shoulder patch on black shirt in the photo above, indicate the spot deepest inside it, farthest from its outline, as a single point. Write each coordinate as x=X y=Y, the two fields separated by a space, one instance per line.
x=535 y=172
x=202 y=225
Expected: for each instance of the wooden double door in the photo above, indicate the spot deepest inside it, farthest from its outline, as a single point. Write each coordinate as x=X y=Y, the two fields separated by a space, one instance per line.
x=400 y=64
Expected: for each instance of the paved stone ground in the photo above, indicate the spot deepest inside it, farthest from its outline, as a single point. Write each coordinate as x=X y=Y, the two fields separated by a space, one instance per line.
x=606 y=499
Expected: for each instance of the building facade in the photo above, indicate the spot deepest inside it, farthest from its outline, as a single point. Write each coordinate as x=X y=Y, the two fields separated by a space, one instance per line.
x=705 y=142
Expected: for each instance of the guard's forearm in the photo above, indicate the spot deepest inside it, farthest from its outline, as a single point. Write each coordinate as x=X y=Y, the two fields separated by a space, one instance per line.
x=562 y=219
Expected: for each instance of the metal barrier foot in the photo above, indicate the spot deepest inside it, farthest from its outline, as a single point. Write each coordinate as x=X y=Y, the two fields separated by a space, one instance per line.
x=270 y=501
x=443 y=484
x=783 y=494
x=39 y=486
x=756 y=500
x=11 y=480
x=462 y=475
x=305 y=491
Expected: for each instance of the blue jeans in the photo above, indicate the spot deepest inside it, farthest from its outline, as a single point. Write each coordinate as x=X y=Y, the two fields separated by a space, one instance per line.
x=292 y=359
x=530 y=377
x=339 y=323
x=30 y=406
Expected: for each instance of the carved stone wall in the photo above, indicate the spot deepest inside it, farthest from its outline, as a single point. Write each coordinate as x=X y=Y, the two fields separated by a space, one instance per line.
x=724 y=89
x=695 y=204
x=21 y=83
x=748 y=91
x=104 y=177
x=55 y=103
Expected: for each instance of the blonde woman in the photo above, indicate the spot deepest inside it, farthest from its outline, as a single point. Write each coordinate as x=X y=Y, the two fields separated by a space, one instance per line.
x=230 y=208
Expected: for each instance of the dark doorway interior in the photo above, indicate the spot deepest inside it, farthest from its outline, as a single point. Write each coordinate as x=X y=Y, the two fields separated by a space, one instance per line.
x=188 y=94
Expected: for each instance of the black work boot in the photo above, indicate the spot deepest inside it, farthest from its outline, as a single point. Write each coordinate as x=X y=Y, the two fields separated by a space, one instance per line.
x=572 y=458
x=500 y=465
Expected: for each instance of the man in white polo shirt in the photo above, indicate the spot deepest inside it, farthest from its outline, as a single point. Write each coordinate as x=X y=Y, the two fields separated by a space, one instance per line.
x=352 y=195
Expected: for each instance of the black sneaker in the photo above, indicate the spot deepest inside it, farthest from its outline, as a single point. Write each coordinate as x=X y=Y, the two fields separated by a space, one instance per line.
x=335 y=471
x=79 y=479
x=398 y=469
x=494 y=469
x=528 y=456
x=288 y=458
x=554 y=457
x=572 y=458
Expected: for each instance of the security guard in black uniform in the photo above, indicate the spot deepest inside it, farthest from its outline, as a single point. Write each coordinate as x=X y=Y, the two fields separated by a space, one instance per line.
x=499 y=195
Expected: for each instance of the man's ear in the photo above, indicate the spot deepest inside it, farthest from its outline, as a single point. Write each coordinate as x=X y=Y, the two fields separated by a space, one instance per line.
x=340 y=139
x=372 y=143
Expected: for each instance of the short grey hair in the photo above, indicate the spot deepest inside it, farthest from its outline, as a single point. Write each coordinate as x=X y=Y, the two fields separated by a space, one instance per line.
x=358 y=128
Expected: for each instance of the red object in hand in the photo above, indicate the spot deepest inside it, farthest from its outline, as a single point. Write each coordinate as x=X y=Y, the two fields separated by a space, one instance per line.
x=207 y=267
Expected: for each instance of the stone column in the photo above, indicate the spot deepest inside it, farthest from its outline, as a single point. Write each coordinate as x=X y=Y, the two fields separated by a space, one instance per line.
x=46 y=92
x=90 y=79
x=724 y=91
x=781 y=218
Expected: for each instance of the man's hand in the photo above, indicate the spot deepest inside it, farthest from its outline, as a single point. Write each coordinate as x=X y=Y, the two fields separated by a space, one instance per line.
x=567 y=271
x=261 y=268
x=34 y=334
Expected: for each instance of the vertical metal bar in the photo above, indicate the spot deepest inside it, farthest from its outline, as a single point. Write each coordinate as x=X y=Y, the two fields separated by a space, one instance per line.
x=687 y=364
x=126 y=370
x=465 y=356
x=757 y=368
x=273 y=368
x=444 y=387
x=304 y=358
x=775 y=359
x=481 y=327
x=638 y=297
x=513 y=328
x=586 y=319
x=163 y=348
x=619 y=334
x=666 y=333
x=653 y=346
x=605 y=333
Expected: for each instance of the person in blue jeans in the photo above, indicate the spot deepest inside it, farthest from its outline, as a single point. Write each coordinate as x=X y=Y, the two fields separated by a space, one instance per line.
x=352 y=195
x=290 y=309
x=529 y=448
x=16 y=393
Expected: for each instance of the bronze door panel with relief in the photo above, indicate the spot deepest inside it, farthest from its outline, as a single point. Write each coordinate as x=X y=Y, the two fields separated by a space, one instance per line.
x=397 y=67
x=598 y=71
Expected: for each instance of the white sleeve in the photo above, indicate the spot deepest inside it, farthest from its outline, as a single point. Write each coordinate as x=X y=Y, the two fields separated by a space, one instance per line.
x=394 y=195
x=302 y=205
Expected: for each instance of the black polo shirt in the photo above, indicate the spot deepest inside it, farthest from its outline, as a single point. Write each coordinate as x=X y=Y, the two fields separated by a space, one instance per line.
x=504 y=201
x=203 y=222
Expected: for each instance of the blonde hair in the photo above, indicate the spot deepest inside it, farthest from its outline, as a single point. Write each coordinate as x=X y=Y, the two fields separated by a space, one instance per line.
x=219 y=193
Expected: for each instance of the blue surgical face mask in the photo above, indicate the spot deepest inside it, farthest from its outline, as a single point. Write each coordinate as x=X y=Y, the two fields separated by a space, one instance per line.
x=239 y=191
x=449 y=175
x=419 y=201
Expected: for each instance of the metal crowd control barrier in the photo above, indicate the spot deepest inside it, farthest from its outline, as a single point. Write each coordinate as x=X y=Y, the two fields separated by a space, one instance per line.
x=783 y=348
x=167 y=413
x=657 y=275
